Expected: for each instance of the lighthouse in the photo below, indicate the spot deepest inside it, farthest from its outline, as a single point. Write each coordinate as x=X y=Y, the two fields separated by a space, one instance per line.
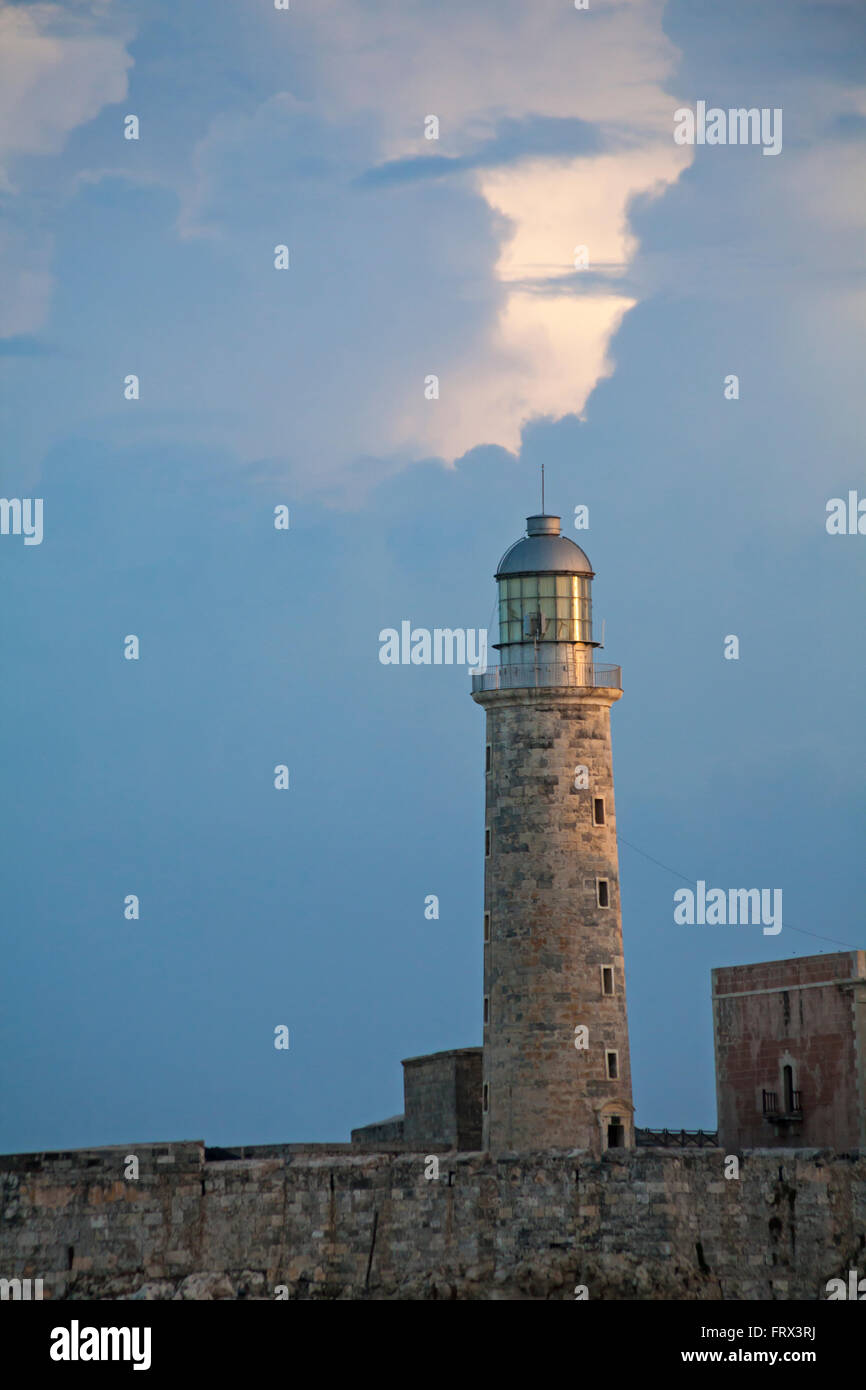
x=555 y=1066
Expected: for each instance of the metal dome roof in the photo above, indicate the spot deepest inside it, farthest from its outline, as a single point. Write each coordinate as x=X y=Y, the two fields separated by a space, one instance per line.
x=543 y=550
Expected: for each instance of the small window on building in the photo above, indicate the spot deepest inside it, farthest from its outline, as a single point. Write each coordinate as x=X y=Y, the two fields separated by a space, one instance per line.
x=486 y=1009
x=603 y=895
x=607 y=979
x=485 y=1094
x=488 y=758
x=598 y=810
x=615 y=1133
x=788 y=1084
x=487 y=844
x=612 y=1066
x=487 y=926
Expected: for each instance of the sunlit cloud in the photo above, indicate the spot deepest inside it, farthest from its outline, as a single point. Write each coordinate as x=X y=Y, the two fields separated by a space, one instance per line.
x=58 y=69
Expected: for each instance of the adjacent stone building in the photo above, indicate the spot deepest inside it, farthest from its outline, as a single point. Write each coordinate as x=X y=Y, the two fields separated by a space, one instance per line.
x=790 y=1041
x=442 y=1103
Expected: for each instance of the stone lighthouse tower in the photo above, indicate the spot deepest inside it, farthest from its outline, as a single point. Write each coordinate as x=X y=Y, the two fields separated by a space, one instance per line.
x=556 y=1071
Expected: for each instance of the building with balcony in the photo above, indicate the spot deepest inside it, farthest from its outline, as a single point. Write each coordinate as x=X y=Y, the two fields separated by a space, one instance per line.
x=790 y=1044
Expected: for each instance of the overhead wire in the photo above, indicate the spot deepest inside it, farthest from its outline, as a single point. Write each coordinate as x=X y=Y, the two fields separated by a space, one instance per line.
x=684 y=878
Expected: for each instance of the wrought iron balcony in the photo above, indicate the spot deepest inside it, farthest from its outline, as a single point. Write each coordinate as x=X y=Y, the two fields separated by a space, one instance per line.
x=792 y=1111
x=584 y=675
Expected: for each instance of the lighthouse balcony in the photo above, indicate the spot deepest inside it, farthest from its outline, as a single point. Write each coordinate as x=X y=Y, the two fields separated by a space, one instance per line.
x=584 y=675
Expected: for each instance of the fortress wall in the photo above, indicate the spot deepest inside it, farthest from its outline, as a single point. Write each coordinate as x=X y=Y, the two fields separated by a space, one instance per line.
x=648 y=1224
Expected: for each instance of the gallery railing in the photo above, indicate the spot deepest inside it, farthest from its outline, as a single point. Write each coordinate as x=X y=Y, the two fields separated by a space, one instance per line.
x=541 y=674
x=676 y=1138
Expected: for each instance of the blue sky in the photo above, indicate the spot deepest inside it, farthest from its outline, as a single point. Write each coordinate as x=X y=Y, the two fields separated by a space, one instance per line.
x=305 y=387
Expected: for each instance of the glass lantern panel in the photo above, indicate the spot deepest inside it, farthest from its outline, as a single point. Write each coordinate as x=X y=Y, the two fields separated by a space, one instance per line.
x=529 y=586
x=546 y=585
x=563 y=584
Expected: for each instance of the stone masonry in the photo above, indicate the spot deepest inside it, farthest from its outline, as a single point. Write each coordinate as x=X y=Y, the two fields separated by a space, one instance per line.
x=443 y=1099
x=441 y=1103
x=790 y=1039
x=323 y=1223
x=548 y=936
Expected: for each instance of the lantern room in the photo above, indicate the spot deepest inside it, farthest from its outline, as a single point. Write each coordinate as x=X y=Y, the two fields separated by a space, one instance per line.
x=545 y=600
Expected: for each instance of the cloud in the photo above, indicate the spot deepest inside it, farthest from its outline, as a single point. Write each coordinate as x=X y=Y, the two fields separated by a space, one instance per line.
x=412 y=257
x=513 y=141
x=58 y=68
x=470 y=65
x=551 y=123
